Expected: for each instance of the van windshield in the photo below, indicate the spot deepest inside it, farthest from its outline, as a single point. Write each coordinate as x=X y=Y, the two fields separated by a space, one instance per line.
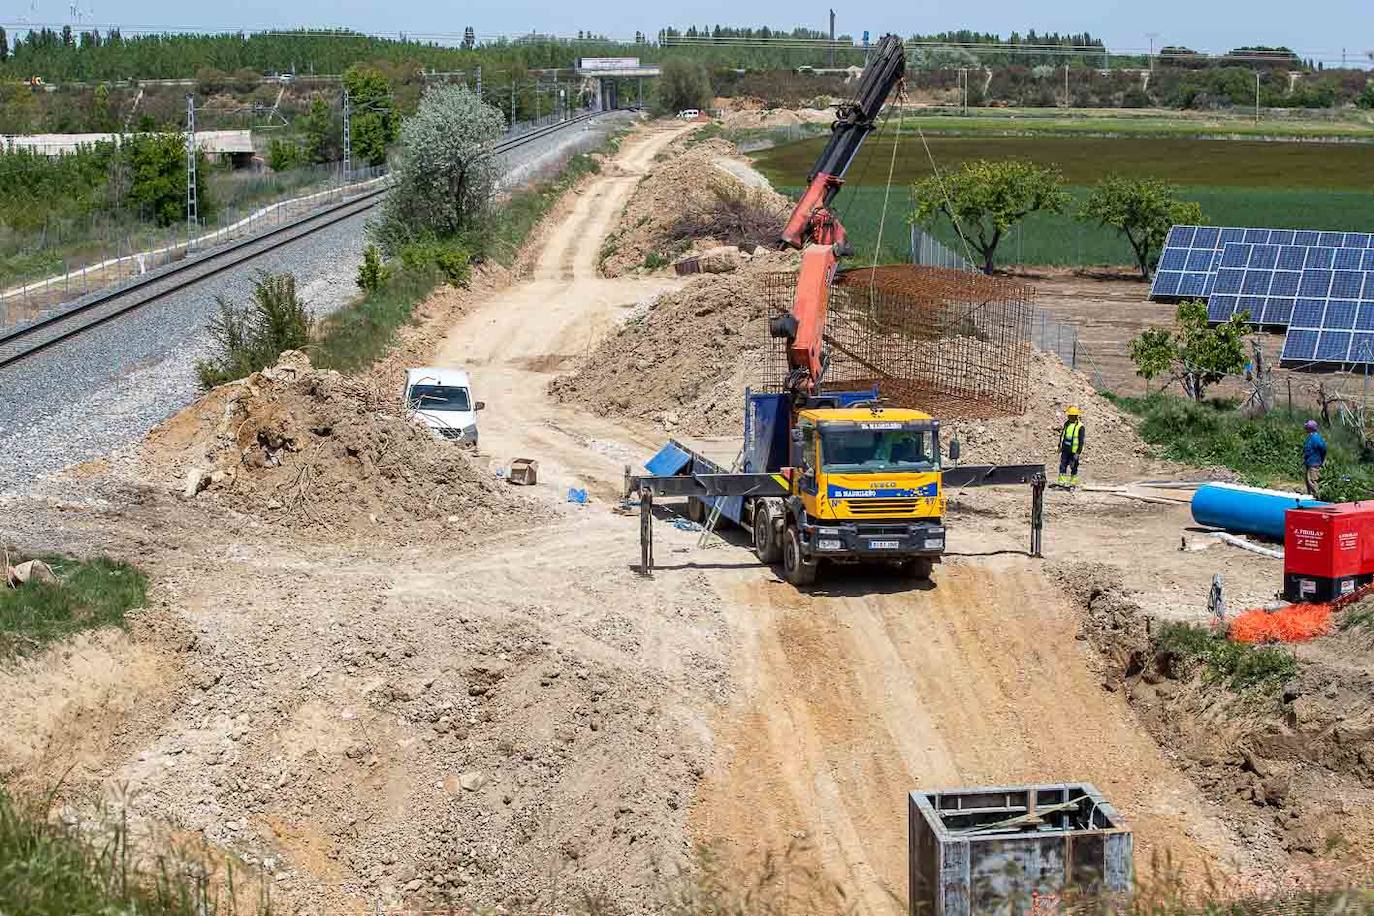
x=439 y=397
x=861 y=450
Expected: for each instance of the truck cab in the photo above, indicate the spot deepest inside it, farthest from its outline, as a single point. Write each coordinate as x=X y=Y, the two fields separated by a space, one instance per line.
x=865 y=488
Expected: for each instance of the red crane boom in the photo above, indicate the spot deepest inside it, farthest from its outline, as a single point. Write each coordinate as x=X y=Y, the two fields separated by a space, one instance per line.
x=813 y=226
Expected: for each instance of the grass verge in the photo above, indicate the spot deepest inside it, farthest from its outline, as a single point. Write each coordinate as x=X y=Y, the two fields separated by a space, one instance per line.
x=358 y=334
x=88 y=594
x=1240 y=666
x=48 y=868
x=1266 y=451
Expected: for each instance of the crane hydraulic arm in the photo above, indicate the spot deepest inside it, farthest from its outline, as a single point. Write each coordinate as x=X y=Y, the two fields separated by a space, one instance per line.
x=812 y=226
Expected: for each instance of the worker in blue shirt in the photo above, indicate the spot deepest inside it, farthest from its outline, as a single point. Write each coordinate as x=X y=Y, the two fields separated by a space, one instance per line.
x=1313 y=457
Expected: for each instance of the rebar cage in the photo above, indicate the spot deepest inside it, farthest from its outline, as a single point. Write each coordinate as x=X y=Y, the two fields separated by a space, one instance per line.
x=949 y=342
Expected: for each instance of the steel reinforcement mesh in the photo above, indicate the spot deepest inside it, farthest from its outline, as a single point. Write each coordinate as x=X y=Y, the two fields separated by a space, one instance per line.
x=952 y=343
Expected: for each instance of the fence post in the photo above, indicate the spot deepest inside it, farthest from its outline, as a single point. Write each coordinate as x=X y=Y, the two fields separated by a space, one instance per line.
x=1074 y=364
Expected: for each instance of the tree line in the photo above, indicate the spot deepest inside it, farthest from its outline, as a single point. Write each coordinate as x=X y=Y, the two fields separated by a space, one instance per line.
x=67 y=55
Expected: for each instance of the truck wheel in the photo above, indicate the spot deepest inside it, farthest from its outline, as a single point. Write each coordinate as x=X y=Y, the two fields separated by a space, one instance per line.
x=796 y=568
x=919 y=568
x=696 y=510
x=765 y=541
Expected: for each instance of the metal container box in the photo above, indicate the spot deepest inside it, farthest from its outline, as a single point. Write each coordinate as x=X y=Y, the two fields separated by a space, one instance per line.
x=1014 y=850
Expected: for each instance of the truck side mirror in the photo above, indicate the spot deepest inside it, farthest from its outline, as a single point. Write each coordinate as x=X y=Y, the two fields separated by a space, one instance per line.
x=954 y=450
x=481 y=405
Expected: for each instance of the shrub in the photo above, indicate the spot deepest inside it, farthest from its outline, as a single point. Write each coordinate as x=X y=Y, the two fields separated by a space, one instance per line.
x=250 y=337
x=372 y=273
x=283 y=155
x=449 y=259
x=1239 y=665
x=444 y=177
x=735 y=215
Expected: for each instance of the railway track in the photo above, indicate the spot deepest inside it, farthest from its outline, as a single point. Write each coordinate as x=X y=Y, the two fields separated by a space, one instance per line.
x=25 y=341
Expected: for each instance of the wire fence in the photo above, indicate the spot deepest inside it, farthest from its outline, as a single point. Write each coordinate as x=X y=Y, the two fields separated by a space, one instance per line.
x=66 y=258
x=1048 y=334
x=108 y=250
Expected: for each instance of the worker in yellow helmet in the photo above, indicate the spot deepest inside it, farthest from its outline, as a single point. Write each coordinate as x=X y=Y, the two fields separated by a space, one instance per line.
x=1070 y=447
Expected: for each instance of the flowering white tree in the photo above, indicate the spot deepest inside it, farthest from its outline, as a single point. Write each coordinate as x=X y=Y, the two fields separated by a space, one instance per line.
x=445 y=176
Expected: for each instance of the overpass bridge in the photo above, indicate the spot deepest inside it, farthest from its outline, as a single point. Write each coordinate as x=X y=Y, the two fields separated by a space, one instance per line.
x=607 y=76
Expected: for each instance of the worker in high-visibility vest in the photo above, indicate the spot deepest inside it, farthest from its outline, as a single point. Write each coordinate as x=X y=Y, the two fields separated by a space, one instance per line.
x=1070 y=448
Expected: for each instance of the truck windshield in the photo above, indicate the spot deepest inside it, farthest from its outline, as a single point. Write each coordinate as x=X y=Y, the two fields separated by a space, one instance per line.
x=438 y=397
x=852 y=449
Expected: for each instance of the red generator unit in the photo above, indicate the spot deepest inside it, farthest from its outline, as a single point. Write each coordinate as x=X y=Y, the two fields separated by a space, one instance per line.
x=1328 y=551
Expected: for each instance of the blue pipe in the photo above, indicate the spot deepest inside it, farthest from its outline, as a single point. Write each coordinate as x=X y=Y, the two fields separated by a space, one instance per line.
x=1246 y=510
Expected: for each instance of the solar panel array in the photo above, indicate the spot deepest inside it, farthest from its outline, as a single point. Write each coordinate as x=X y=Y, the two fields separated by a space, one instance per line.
x=1320 y=285
x=1192 y=255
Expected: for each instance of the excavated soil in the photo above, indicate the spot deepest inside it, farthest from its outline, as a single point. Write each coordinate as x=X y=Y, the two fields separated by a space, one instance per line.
x=685 y=361
x=1292 y=772
x=314 y=450
x=685 y=188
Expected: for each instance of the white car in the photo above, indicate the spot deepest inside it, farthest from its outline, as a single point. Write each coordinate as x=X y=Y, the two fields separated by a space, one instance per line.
x=441 y=401
x=689 y=114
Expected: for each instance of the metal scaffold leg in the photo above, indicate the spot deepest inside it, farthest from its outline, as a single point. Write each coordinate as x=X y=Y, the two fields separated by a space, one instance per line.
x=646 y=532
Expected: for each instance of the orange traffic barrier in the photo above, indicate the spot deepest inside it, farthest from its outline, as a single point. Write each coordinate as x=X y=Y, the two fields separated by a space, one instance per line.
x=1294 y=623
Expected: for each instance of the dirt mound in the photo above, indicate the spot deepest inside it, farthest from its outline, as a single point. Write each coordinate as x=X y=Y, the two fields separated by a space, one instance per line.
x=687 y=359
x=312 y=449
x=1272 y=760
x=751 y=114
x=702 y=196
x=1113 y=450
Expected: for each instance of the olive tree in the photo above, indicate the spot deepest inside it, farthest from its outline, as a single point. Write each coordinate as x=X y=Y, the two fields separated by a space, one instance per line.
x=1141 y=209
x=1195 y=354
x=445 y=176
x=984 y=199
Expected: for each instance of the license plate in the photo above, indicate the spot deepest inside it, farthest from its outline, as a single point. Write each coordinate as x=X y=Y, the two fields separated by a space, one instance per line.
x=828 y=545
x=884 y=545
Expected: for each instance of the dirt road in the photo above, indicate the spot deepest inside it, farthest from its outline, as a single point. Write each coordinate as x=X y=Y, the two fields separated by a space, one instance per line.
x=494 y=724
x=850 y=697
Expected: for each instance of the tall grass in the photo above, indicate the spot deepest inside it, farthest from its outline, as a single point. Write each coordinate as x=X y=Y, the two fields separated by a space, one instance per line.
x=1266 y=451
x=88 y=594
x=52 y=868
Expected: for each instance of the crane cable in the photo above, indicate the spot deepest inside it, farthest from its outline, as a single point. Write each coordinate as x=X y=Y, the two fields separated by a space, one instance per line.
x=887 y=190
x=949 y=204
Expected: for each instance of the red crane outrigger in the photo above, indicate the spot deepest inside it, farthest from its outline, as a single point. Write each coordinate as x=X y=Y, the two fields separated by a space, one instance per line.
x=815 y=229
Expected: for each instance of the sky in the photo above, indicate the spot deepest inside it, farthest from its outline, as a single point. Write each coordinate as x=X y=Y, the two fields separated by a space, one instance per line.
x=1319 y=28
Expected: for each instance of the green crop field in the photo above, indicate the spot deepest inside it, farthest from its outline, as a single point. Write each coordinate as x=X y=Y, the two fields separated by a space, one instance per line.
x=1084 y=160
x=1244 y=183
x=1096 y=122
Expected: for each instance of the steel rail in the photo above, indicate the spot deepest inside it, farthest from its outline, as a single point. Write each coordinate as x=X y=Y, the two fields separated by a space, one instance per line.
x=26 y=340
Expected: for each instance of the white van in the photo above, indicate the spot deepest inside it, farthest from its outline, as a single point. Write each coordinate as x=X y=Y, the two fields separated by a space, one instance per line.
x=441 y=400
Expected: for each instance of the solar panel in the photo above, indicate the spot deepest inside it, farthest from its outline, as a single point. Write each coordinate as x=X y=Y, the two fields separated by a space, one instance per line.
x=1192 y=257
x=1332 y=320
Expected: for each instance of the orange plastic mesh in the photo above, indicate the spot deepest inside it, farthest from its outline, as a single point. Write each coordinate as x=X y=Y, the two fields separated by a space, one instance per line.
x=1295 y=623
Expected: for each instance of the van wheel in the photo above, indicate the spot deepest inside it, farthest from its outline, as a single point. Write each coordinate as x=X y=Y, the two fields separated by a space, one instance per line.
x=795 y=568
x=765 y=541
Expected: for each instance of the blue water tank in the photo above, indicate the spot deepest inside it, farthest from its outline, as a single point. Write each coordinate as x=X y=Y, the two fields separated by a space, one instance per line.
x=1246 y=510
